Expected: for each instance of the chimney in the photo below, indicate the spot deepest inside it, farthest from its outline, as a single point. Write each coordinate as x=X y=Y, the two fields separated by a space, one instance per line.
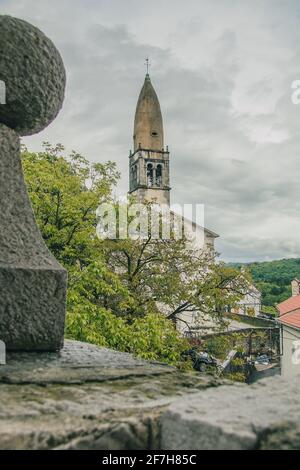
x=295 y=287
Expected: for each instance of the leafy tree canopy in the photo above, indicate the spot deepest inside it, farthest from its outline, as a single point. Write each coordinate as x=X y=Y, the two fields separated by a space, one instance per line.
x=273 y=279
x=125 y=294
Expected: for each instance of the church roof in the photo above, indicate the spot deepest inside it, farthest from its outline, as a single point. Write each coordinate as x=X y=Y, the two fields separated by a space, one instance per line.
x=148 y=123
x=195 y=225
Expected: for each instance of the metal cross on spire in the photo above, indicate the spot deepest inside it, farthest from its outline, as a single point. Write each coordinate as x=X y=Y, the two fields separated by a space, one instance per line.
x=148 y=64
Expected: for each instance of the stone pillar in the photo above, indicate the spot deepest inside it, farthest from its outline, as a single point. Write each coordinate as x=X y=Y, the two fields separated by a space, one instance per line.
x=32 y=283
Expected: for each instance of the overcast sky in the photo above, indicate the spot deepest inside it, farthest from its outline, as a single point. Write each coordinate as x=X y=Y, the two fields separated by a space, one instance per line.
x=223 y=71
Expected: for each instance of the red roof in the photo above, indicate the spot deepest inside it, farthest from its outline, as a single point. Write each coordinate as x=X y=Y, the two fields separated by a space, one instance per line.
x=289 y=305
x=291 y=318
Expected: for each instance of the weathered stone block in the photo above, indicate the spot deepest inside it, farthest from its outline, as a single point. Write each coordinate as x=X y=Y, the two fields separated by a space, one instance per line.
x=32 y=283
x=32 y=308
x=34 y=77
x=92 y=398
x=237 y=417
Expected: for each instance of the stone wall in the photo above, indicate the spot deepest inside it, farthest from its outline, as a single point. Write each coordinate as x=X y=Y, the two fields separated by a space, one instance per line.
x=91 y=398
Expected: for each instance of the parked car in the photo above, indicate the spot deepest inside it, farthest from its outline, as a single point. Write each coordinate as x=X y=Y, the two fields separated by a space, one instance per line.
x=263 y=359
x=202 y=360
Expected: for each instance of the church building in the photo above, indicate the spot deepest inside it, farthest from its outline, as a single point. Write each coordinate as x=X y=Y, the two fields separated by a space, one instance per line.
x=149 y=163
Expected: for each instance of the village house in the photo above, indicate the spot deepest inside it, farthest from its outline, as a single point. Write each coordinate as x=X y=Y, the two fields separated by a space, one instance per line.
x=250 y=304
x=289 y=320
x=193 y=323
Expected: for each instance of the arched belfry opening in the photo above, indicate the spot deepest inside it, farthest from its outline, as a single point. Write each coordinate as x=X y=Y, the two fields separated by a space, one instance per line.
x=159 y=174
x=149 y=175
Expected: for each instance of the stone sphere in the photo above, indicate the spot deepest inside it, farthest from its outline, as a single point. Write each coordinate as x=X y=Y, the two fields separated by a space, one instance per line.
x=33 y=75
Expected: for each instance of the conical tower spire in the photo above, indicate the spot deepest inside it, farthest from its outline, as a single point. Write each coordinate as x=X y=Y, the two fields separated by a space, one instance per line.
x=148 y=123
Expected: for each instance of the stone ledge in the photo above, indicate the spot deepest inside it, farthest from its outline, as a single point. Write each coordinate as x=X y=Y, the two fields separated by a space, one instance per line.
x=261 y=416
x=76 y=363
x=87 y=397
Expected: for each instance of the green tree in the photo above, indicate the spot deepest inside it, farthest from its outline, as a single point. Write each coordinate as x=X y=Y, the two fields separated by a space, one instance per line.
x=65 y=193
x=125 y=294
x=170 y=277
x=273 y=279
x=93 y=295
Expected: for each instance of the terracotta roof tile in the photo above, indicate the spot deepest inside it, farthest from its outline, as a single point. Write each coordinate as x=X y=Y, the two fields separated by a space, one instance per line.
x=291 y=318
x=293 y=303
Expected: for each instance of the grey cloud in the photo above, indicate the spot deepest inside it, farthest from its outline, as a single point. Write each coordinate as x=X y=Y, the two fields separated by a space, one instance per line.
x=223 y=75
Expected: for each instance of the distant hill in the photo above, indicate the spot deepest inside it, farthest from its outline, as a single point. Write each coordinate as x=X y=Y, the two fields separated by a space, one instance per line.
x=273 y=278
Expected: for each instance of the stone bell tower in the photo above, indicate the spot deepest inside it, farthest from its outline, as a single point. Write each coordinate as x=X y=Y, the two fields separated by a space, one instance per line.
x=149 y=174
